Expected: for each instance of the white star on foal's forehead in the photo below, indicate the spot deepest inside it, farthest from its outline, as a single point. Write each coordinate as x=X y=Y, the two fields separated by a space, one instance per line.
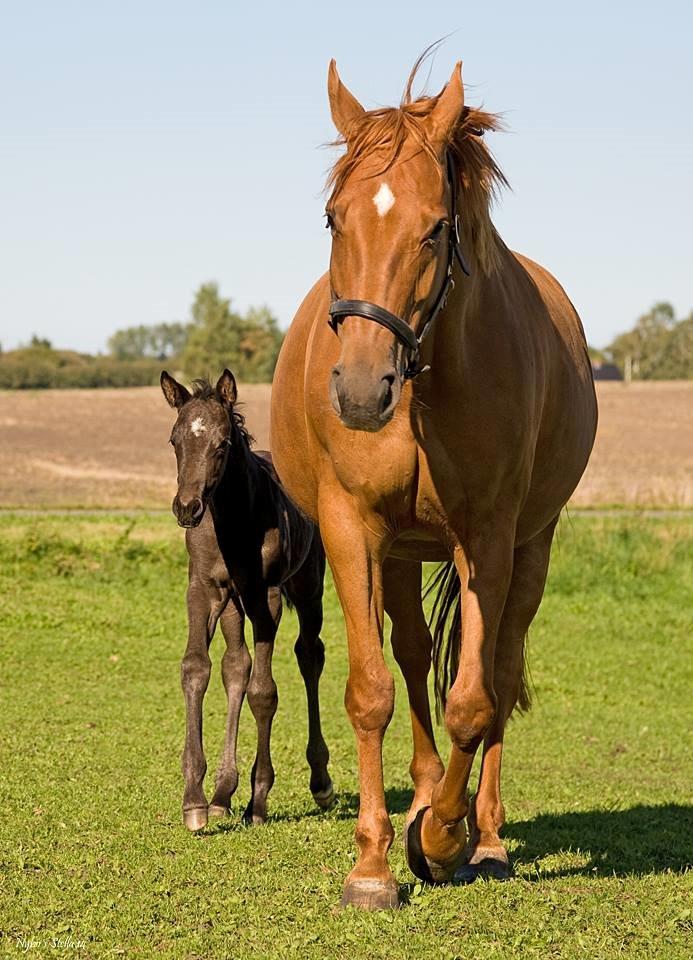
x=198 y=426
x=384 y=199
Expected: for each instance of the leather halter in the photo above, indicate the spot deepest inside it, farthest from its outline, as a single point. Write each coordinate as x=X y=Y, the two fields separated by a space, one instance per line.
x=339 y=310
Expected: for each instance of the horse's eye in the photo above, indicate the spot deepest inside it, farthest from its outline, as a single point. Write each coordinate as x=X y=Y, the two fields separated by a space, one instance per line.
x=437 y=232
x=329 y=220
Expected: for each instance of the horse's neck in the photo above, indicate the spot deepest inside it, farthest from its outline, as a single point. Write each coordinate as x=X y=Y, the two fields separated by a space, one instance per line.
x=235 y=492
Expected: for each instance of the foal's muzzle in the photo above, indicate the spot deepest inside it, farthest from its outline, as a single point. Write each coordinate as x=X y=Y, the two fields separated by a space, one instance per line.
x=188 y=513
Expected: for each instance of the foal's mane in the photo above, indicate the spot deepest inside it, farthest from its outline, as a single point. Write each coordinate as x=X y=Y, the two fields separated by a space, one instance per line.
x=388 y=129
x=202 y=389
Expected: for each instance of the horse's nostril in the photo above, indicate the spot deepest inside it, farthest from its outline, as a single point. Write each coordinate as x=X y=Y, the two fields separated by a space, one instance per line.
x=197 y=508
x=386 y=397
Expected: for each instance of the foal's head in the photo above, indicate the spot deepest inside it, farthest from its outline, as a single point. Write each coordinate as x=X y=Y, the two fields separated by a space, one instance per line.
x=391 y=216
x=202 y=438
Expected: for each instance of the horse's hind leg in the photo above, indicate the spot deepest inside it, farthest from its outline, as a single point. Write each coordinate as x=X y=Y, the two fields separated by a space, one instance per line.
x=412 y=645
x=310 y=654
x=486 y=854
x=264 y=611
x=235 y=672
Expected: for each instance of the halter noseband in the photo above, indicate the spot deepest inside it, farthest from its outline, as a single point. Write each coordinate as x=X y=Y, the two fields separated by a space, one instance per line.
x=340 y=309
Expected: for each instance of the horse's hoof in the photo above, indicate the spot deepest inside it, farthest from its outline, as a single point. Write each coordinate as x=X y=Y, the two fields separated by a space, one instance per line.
x=325 y=798
x=216 y=811
x=419 y=863
x=251 y=819
x=195 y=818
x=487 y=863
x=370 y=895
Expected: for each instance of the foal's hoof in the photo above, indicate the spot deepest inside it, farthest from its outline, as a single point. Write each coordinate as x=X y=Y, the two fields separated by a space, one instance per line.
x=195 y=818
x=419 y=864
x=325 y=798
x=216 y=811
x=370 y=895
x=487 y=863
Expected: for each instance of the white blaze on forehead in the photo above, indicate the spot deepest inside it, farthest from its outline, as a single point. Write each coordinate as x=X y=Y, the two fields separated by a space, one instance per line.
x=198 y=426
x=384 y=199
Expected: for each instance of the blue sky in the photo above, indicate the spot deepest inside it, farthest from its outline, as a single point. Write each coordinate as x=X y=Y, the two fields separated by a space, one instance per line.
x=147 y=147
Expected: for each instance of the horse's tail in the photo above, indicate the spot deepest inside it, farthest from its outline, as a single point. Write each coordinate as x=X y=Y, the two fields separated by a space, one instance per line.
x=445 y=624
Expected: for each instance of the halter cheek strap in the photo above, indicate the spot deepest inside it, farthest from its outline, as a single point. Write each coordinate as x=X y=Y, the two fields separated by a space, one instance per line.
x=339 y=310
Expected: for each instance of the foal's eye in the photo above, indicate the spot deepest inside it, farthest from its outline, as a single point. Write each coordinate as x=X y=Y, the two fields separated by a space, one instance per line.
x=437 y=232
x=329 y=221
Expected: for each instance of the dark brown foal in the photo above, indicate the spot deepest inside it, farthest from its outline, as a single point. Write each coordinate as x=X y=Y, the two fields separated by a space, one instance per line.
x=248 y=544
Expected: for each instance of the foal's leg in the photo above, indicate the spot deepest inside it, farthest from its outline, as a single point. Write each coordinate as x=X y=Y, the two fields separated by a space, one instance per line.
x=310 y=654
x=355 y=553
x=485 y=570
x=204 y=606
x=235 y=672
x=486 y=853
x=265 y=612
x=411 y=645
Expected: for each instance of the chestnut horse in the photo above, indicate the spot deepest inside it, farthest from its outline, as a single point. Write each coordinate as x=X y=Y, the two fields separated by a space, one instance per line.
x=450 y=418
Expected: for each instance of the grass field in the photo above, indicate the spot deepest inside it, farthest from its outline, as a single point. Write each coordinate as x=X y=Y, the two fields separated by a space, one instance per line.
x=109 y=448
x=92 y=850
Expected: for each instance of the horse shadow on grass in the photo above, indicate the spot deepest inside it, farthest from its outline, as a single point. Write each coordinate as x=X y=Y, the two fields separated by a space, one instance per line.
x=636 y=841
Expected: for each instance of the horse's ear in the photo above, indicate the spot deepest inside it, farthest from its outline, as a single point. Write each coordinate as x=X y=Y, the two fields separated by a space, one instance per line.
x=176 y=394
x=344 y=106
x=226 y=388
x=444 y=116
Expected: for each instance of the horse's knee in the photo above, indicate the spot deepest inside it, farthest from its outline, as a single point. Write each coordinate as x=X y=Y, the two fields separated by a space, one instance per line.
x=370 y=703
x=310 y=655
x=194 y=671
x=468 y=716
x=262 y=698
x=235 y=667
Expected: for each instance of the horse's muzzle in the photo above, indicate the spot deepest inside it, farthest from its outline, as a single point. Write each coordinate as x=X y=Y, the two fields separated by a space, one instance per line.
x=364 y=402
x=188 y=513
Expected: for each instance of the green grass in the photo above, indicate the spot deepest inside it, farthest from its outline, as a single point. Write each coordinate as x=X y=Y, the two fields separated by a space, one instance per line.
x=597 y=777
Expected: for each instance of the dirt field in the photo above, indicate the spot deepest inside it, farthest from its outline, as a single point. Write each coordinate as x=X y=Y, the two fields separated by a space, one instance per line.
x=108 y=448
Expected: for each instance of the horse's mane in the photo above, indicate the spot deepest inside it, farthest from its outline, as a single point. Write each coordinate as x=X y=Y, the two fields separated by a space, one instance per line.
x=202 y=389
x=388 y=129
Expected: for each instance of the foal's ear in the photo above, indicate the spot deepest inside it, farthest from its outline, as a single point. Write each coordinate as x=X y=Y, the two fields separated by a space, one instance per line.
x=444 y=116
x=344 y=106
x=226 y=388
x=175 y=393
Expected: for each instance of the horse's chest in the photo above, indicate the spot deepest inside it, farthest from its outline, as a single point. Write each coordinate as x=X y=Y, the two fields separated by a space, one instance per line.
x=379 y=472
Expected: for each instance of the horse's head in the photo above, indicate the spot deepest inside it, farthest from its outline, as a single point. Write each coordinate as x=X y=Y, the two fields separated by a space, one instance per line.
x=201 y=437
x=392 y=221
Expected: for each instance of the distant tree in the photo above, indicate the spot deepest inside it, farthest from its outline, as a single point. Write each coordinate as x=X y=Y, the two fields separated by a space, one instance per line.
x=158 y=341
x=220 y=337
x=40 y=342
x=646 y=343
x=676 y=359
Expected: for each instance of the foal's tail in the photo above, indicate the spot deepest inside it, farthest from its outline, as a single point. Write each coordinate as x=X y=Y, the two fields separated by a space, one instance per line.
x=445 y=624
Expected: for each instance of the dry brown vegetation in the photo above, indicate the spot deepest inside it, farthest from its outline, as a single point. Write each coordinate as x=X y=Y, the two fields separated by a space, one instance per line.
x=108 y=448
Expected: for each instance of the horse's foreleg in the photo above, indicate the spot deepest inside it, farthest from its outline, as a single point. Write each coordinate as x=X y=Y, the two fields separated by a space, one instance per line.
x=484 y=571
x=264 y=612
x=235 y=672
x=485 y=852
x=411 y=645
x=310 y=654
x=195 y=670
x=355 y=553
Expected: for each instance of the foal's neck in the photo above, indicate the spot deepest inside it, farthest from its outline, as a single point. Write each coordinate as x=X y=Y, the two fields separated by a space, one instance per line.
x=234 y=492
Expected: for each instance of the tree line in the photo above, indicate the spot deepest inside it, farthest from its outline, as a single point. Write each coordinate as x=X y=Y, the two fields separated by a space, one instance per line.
x=659 y=347
x=216 y=336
